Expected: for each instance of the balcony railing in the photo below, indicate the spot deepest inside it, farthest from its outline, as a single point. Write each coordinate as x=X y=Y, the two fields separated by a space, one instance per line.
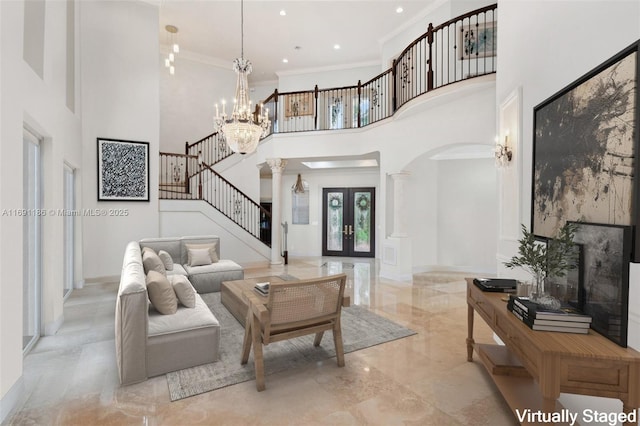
x=460 y=49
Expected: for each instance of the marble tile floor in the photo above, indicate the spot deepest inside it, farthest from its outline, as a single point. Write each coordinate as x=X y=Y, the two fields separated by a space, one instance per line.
x=71 y=378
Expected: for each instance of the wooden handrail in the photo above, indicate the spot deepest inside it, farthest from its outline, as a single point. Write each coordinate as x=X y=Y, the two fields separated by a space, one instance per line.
x=466 y=15
x=262 y=209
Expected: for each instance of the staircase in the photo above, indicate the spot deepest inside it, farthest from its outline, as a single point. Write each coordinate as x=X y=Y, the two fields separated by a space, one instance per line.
x=191 y=176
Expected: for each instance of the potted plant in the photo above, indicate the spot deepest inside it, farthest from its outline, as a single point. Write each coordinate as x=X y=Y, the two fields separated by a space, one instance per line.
x=541 y=260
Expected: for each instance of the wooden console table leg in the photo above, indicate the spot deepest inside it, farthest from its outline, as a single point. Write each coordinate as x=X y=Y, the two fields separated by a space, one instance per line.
x=470 y=341
x=627 y=409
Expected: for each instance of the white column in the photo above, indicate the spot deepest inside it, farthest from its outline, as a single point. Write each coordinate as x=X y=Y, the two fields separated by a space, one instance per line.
x=277 y=166
x=399 y=207
x=397 y=257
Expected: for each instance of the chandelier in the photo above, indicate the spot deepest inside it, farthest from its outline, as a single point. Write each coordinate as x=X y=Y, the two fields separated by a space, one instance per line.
x=244 y=128
x=170 y=60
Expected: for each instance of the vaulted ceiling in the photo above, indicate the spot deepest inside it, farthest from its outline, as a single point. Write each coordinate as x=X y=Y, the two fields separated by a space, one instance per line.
x=306 y=35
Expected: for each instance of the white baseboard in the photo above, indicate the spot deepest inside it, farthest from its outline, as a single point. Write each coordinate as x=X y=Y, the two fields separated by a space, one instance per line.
x=52 y=328
x=78 y=284
x=11 y=399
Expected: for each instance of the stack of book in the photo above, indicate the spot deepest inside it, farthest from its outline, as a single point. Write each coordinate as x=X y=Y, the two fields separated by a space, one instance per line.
x=567 y=319
x=262 y=288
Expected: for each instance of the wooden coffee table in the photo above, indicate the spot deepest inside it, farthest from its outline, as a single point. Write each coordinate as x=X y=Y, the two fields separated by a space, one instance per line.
x=231 y=295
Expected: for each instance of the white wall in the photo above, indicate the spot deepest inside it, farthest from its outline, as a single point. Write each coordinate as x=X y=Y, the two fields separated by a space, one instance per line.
x=187 y=99
x=552 y=59
x=38 y=102
x=120 y=100
x=421 y=195
x=467 y=214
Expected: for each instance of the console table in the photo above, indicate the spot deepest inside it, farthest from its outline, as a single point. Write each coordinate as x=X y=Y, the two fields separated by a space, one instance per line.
x=535 y=366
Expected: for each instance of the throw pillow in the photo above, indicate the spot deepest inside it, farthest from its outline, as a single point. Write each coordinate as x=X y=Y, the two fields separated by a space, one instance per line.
x=185 y=291
x=151 y=262
x=210 y=246
x=167 y=261
x=199 y=257
x=161 y=293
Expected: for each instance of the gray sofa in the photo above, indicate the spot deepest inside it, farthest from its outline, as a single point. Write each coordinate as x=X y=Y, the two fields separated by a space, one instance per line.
x=149 y=343
x=205 y=279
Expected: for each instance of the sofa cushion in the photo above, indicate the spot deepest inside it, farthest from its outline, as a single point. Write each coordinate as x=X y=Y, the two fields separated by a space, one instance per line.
x=184 y=319
x=210 y=249
x=167 y=261
x=151 y=261
x=223 y=265
x=184 y=290
x=178 y=269
x=161 y=293
x=184 y=241
x=171 y=245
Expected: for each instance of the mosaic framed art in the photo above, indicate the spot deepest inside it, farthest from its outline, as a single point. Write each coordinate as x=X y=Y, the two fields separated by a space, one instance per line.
x=123 y=170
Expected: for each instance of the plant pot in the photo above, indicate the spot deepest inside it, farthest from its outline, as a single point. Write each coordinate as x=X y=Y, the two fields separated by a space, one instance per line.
x=541 y=297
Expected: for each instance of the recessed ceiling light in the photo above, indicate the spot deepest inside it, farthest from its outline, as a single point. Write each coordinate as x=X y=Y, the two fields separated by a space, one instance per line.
x=285 y=60
x=399 y=9
x=336 y=46
x=283 y=12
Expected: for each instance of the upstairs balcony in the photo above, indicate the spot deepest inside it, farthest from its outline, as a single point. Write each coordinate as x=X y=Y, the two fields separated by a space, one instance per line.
x=459 y=49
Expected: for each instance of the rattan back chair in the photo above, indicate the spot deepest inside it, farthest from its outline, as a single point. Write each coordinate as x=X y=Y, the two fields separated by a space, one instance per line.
x=294 y=309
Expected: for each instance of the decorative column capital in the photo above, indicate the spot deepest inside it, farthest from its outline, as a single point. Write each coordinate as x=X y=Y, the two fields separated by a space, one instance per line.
x=277 y=165
x=401 y=175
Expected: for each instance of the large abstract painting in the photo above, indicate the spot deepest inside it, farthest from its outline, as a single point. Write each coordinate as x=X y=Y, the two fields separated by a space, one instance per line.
x=123 y=170
x=603 y=276
x=585 y=147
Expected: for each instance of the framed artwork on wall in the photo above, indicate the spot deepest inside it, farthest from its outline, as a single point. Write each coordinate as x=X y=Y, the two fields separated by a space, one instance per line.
x=478 y=40
x=603 y=277
x=298 y=104
x=123 y=170
x=585 y=145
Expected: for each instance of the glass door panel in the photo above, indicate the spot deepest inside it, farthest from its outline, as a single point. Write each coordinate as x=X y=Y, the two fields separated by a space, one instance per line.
x=69 y=230
x=335 y=214
x=32 y=185
x=362 y=221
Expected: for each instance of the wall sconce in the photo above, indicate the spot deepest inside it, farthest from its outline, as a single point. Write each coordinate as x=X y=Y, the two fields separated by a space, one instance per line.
x=503 y=152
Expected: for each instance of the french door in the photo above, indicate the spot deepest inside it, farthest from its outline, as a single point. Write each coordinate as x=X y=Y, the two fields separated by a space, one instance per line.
x=348 y=222
x=32 y=259
x=69 y=230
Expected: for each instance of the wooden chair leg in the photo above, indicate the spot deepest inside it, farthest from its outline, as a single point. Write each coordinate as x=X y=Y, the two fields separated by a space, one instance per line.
x=257 y=354
x=318 y=338
x=337 y=340
x=246 y=343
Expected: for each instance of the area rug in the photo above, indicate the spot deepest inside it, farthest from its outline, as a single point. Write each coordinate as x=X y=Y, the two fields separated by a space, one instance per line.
x=360 y=329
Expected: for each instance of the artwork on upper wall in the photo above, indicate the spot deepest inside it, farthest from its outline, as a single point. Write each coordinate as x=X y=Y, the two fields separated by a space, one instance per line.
x=298 y=104
x=478 y=40
x=123 y=170
x=585 y=145
x=603 y=277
